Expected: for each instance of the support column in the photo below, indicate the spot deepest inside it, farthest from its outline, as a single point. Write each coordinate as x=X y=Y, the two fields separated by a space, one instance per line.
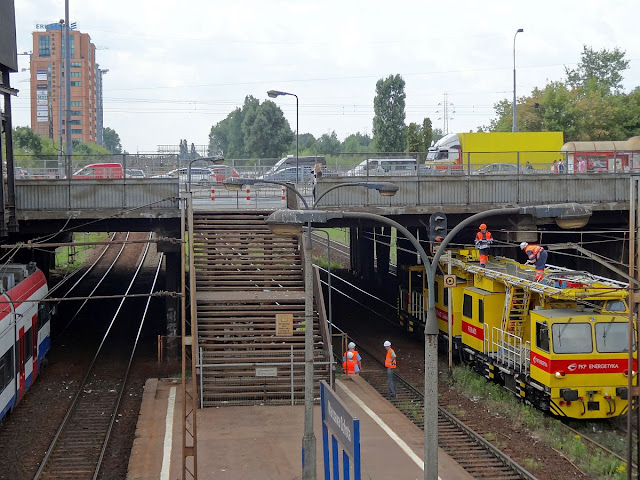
x=353 y=249
x=172 y=305
x=365 y=253
x=383 y=250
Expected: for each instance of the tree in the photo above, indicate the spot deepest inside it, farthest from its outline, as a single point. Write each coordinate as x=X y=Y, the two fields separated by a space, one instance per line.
x=414 y=138
x=111 y=140
x=266 y=132
x=604 y=66
x=329 y=144
x=227 y=137
x=26 y=140
x=427 y=133
x=389 y=130
x=357 y=143
x=192 y=152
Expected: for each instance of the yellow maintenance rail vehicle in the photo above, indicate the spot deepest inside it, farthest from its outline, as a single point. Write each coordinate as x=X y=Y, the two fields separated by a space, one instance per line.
x=561 y=345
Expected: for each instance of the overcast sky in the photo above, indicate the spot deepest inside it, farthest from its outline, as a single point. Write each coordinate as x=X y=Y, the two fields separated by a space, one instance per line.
x=178 y=67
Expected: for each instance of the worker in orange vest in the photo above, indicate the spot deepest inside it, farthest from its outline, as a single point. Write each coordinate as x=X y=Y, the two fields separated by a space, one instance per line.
x=538 y=256
x=350 y=365
x=483 y=240
x=390 y=364
x=352 y=348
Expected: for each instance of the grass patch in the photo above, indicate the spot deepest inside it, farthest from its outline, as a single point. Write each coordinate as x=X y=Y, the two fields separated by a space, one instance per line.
x=548 y=430
x=71 y=257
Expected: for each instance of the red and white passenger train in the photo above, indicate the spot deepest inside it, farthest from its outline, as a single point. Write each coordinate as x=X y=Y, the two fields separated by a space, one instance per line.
x=25 y=325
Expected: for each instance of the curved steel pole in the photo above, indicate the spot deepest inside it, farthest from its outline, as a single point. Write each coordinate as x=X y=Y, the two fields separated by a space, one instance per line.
x=514 y=127
x=430 y=350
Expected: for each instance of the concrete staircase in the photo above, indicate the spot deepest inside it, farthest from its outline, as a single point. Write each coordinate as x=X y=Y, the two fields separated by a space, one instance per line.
x=245 y=277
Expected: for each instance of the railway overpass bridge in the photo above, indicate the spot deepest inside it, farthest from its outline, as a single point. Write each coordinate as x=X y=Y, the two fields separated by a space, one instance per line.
x=44 y=207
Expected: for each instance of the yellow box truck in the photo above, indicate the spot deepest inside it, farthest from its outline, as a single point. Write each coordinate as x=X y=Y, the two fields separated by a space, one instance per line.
x=456 y=151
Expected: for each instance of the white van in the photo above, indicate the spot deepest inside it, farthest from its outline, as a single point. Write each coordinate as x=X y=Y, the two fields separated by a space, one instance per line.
x=384 y=167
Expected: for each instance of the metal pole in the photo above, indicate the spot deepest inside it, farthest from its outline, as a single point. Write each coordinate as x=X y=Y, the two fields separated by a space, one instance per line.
x=67 y=82
x=297 y=133
x=430 y=350
x=309 y=438
x=331 y=373
x=514 y=127
x=450 y=318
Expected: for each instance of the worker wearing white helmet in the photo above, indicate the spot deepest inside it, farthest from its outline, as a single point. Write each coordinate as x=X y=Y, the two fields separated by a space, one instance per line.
x=538 y=256
x=390 y=364
x=350 y=365
x=352 y=348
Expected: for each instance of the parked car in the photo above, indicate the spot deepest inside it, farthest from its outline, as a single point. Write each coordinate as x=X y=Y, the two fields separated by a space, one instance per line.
x=497 y=169
x=135 y=173
x=198 y=175
x=219 y=173
x=100 y=170
x=290 y=174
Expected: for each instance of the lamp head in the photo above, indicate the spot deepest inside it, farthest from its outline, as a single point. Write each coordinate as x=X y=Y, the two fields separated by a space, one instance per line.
x=520 y=30
x=386 y=189
x=276 y=93
x=234 y=184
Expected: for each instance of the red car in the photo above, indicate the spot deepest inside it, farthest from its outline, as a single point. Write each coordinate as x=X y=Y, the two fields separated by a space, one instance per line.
x=219 y=173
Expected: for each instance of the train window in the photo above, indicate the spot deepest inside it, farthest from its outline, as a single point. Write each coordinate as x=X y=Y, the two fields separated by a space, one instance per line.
x=542 y=336
x=28 y=340
x=436 y=292
x=481 y=310
x=612 y=337
x=467 y=306
x=44 y=314
x=6 y=369
x=445 y=297
x=572 y=338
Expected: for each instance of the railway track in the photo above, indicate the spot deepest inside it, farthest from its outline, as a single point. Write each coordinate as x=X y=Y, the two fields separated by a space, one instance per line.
x=79 y=445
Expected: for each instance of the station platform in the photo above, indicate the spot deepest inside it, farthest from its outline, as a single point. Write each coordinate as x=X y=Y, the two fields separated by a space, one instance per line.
x=264 y=442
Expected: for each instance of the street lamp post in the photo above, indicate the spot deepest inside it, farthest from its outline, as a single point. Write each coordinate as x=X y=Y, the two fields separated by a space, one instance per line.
x=275 y=94
x=385 y=189
x=214 y=160
x=514 y=127
x=299 y=217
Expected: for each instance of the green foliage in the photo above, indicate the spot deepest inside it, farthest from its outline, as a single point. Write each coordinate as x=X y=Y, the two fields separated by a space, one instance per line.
x=111 y=140
x=427 y=133
x=604 y=67
x=26 y=141
x=329 y=144
x=266 y=131
x=88 y=151
x=255 y=130
x=414 y=138
x=588 y=107
x=389 y=130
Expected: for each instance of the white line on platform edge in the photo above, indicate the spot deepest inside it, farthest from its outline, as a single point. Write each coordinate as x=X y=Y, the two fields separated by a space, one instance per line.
x=394 y=436
x=168 y=436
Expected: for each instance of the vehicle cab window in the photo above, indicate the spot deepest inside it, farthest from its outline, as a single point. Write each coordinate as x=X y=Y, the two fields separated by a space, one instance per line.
x=542 y=336
x=572 y=338
x=612 y=337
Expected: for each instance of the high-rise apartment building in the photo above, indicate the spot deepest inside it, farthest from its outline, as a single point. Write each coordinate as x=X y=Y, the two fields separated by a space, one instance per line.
x=48 y=89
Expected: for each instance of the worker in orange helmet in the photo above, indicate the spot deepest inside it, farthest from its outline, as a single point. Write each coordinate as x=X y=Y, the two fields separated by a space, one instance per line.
x=538 y=256
x=483 y=240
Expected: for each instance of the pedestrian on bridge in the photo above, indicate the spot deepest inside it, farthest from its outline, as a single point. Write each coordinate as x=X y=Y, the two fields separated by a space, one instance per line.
x=390 y=364
x=350 y=365
x=352 y=348
x=483 y=240
x=538 y=256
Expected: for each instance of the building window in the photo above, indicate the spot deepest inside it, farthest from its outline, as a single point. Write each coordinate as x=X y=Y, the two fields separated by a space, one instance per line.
x=76 y=74
x=76 y=112
x=77 y=103
x=77 y=131
x=76 y=64
x=76 y=122
x=44 y=46
x=76 y=84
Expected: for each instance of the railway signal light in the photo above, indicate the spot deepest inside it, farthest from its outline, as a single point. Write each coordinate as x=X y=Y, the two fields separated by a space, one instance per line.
x=437 y=227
